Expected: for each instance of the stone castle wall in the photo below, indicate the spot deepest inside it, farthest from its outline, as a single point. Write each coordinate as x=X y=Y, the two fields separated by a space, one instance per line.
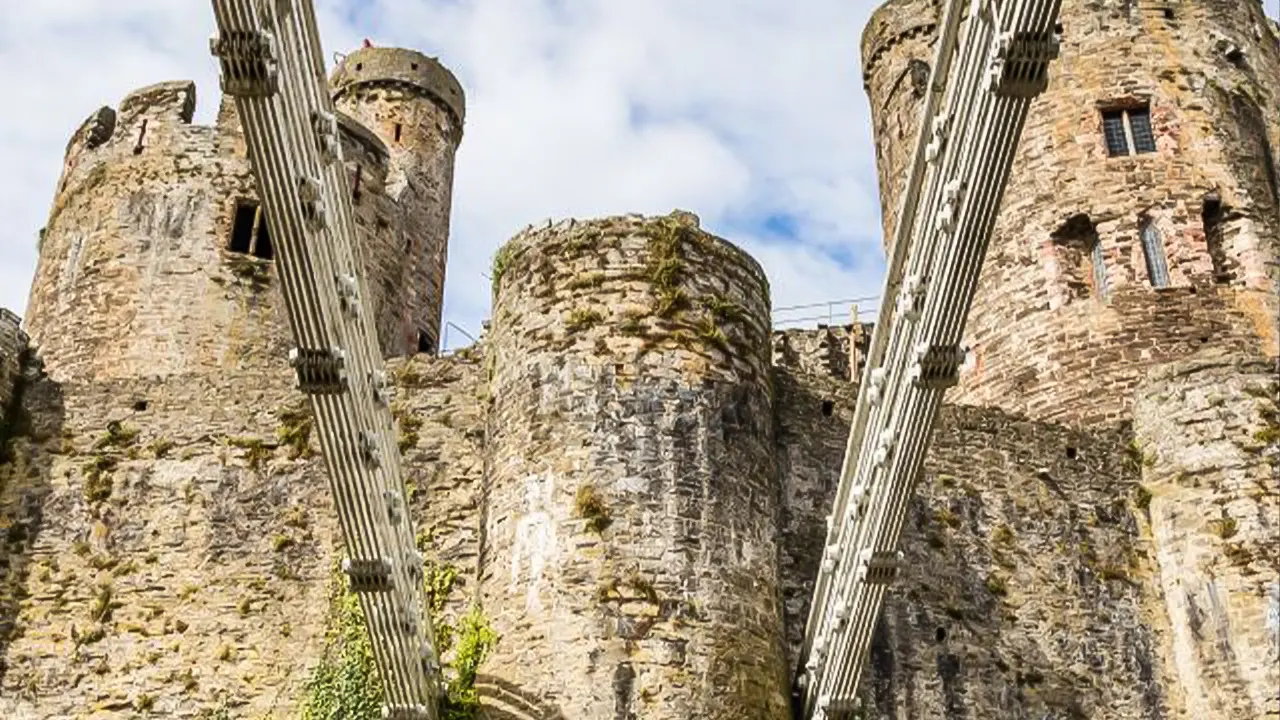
x=1049 y=341
x=897 y=55
x=417 y=107
x=1028 y=591
x=170 y=544
x=630 y=540
x=1208 y=438
x=136 y=277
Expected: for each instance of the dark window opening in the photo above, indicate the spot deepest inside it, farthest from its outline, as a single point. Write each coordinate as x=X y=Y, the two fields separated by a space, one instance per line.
x=397 y=132
x=242 y=228
x=1128 y=131
x=1072 y=453
x=262 y=248
x=1168 y=13
x=249 y=234
x=828 y=407
x=355 y=186
x=142 y=134
x=919 y=77
x=1113 y=131
x=359 y=67
x=140 y=406
x=1211 y=216
x=1140 y=124
x=424 y=342
x=413 y=66
x=940 y=634
x=1153 y=251
x=1235 y=56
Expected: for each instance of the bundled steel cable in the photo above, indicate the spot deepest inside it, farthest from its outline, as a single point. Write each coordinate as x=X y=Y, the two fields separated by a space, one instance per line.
x=964 y=155
x=272 y=65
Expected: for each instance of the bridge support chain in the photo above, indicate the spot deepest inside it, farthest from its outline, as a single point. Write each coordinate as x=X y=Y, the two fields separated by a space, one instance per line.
x=249 y=62
x=320 y=372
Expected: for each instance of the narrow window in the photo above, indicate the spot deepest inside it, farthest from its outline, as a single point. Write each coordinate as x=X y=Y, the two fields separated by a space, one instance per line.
x=262 y=242
x=1113 y=130
x=142 y=134
x=424 y=342
x=1211 y=216
x=828 y=407
x=1140 y=124
x=1099 y=270
x=355 y=186
x=1153 y=250
x=1128 y=131
x=242 y=227
x=397 y=132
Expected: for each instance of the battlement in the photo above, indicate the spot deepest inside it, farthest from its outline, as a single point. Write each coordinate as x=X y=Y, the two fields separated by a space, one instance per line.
x=173 y=100
x=156 y=225
x=892 y=24
x=372 y=67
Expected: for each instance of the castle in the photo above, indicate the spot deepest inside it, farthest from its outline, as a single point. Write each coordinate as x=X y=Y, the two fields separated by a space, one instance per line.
x=626 y=481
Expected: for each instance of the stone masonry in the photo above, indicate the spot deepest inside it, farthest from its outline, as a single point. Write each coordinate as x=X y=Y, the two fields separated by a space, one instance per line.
x=630 y=553
x=628 y=477
x=417 y=107
x=1054 y=337
x=146 y=213
x=1208 y=436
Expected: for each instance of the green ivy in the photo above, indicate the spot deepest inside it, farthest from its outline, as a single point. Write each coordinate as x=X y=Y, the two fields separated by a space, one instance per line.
x=346 y=685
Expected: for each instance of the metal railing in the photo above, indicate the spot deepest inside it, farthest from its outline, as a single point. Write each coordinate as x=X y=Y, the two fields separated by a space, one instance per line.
x=831 y=312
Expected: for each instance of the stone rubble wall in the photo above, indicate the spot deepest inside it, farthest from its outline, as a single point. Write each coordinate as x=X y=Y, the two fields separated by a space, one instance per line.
x=1027 y=590
x=416 y=106
x=135 y=277
x=630 y=542
x=1208 y=438
x=161 y=551
x=171 y=543
x=897 y=55
x=1045 y=343
x=1025 y=593
x=812 y=416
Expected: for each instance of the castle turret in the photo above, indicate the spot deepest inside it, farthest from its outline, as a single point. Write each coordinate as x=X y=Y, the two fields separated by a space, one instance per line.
x=630 y=558
x=1140 y=222
x=417 y=107
x=156 y=259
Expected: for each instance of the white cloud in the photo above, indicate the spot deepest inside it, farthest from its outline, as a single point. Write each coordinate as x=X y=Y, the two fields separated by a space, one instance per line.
x=735 y=109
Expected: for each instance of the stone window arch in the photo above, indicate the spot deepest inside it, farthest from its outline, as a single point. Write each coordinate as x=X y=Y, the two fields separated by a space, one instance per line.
x=1081 y=265
x=1154 y=253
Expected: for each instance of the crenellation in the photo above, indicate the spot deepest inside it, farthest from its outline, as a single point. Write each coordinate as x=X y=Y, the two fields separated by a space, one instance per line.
x=628 y=478
x=415 y=106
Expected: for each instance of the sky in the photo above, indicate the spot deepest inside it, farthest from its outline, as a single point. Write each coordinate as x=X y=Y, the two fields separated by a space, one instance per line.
x=750 y=113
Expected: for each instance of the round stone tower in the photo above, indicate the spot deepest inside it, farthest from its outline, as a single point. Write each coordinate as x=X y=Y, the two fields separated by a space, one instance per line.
x=1140 y=223
x=156 y=260
x=630 y=559
x=417 y=107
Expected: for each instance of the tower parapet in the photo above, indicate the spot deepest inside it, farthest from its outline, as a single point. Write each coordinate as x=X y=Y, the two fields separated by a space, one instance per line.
x=897 y=54
x=631 y=537
x=156 y=260
x=417 y=107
